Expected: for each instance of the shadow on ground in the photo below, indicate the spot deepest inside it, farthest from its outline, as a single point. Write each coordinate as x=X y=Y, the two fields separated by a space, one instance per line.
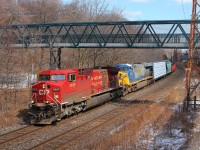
x=24 y=116
x=122 y=101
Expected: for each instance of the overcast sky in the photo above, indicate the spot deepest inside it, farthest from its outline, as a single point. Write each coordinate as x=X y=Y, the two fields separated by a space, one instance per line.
x=153 y=9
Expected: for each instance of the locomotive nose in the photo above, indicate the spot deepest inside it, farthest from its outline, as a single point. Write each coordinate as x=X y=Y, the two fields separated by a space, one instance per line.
x=40 y=92
x=45 y=93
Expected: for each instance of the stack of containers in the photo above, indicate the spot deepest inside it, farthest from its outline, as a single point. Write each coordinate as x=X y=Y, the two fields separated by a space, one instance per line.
x=168 y=66
x=159 y=69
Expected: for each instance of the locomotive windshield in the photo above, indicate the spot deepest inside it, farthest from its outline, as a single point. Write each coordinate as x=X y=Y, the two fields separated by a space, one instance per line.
x=44 y=77
x=58 y=77
x=124 y=69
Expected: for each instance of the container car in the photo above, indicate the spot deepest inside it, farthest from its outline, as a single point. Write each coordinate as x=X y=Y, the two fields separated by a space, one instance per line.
x=159 y=70
x=168 y=66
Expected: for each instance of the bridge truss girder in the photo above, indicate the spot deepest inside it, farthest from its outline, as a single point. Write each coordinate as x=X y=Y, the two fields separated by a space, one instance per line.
x=127 y=34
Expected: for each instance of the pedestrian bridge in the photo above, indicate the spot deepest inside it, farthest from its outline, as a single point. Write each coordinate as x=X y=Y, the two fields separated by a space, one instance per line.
x=125 y=34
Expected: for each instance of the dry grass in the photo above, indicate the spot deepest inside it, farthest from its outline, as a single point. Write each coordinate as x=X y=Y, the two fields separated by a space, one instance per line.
x=11 y=102
x=175 y=95
x=157 y=117
x=127 y=137
x=194 y=130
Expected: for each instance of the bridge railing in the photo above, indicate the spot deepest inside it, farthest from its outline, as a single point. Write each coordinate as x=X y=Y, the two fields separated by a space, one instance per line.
x=130 y=34
x=100 y=40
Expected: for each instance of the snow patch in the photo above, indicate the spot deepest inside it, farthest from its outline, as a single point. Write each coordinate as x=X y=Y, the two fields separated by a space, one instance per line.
x=174 y=141
x=119 y=128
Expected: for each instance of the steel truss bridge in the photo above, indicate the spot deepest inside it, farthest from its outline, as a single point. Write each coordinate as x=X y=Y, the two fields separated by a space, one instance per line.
x=126 y=34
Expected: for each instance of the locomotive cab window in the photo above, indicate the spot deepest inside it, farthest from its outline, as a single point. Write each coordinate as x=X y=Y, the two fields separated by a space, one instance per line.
x=124 y=69
x=81 y=71
x=44 y=77
x=58 y=77
x=71 y=77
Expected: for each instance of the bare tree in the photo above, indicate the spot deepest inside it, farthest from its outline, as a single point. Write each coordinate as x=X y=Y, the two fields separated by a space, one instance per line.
x=87 y=11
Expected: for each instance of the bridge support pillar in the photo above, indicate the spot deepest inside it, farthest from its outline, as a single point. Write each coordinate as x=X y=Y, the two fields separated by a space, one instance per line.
x=59 y=58
x=55 y=58
x=51 y=59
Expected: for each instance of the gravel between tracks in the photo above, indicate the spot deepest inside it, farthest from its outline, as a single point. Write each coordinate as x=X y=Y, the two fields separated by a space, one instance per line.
x=11 y=128
x=30 y=140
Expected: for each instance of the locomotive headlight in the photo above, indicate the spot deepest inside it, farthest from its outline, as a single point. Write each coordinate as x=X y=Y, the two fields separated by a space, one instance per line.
x=56 y=89
x=32 y=102
x=46 y=102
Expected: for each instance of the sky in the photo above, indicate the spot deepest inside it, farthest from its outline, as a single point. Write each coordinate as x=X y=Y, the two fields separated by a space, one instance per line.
x=138 y=10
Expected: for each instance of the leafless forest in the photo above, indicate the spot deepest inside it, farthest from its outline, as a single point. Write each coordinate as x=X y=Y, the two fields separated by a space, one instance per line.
x=17 y=65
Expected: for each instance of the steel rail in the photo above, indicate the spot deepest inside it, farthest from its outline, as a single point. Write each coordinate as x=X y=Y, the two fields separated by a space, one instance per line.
x=19 y=134
x=71 y=137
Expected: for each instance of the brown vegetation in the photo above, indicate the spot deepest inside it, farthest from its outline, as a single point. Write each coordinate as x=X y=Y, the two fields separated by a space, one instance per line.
x=153 y=116
x=25 y=62
x=11 y=101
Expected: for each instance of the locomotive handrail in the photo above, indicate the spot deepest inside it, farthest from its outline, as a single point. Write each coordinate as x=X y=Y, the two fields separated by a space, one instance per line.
x=54 y=101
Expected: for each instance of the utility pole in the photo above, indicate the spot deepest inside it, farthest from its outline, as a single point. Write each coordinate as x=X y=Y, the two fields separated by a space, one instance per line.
x=193 y=66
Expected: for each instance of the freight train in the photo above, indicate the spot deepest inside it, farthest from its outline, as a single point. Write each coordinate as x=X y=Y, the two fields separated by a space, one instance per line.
x=61 y=93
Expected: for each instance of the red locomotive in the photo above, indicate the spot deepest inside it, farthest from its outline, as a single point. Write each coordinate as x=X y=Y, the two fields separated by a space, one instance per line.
x=61 y=93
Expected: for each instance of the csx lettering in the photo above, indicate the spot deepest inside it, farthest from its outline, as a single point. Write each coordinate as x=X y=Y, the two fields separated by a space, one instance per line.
x=43 y=92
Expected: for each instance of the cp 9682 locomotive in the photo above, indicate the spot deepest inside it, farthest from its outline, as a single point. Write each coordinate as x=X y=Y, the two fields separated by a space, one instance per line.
x=61 y=93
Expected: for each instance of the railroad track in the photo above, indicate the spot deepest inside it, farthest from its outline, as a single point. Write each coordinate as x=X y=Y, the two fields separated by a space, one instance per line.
x=31 y=131
x=70 y=138
x=17 y=133
x=73 y=135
